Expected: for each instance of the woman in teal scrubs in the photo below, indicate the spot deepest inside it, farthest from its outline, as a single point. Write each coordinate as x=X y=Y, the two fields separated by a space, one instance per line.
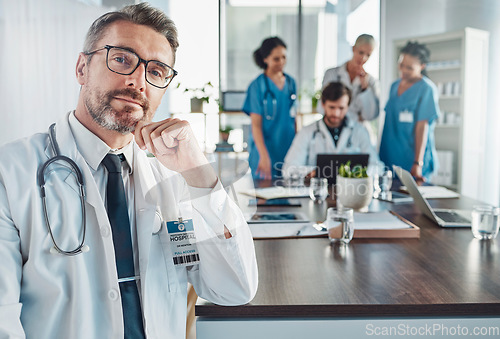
x=270 y=102
x=410 y=116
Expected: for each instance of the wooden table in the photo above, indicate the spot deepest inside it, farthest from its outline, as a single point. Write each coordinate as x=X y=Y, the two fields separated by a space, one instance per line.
x=309 y=286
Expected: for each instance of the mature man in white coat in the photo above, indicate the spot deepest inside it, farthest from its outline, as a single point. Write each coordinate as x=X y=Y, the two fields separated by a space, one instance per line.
x=62 y=260
x=364 y=103
x=335 y=133
x=364 y=106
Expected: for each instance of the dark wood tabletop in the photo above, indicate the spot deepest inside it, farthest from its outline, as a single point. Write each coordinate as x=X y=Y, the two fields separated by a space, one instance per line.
x=446 y=272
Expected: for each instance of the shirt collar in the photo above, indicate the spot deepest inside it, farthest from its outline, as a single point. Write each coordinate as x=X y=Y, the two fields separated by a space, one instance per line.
x=128 y=152
x=345 y=123
x=93 y=149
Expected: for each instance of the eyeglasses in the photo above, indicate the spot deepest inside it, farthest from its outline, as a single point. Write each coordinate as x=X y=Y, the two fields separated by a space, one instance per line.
x=123 y=61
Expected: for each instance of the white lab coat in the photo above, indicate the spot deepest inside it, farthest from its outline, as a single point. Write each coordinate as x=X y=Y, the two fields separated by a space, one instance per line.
x=316 y=139
x=44 y=295
x=366 y=102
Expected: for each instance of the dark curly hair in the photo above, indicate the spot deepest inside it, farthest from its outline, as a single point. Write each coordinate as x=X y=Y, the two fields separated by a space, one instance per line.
x=419 y=51
x=265 y=49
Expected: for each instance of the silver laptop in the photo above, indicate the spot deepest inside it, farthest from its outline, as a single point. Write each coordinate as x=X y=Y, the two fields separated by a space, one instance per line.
x=442 y=217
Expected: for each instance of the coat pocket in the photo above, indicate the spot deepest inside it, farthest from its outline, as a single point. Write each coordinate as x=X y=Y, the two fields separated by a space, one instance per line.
x=174 y=275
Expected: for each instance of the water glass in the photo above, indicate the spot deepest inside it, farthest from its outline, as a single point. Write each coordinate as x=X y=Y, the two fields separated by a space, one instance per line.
x=383 y=181
x=340 y=224
x=295 y=178
x=485 y=222
x=318 y=189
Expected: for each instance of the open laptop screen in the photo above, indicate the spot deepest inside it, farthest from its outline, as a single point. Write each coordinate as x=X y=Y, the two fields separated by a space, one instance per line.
x=327 y=165
x=444 y=218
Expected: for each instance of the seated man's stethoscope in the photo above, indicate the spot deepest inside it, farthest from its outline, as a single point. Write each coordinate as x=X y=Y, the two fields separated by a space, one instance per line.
x=270 y=93
x=41 y=183
x=318 y=130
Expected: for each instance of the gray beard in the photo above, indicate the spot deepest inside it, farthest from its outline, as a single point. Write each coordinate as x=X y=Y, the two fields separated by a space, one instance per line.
x=106 y=117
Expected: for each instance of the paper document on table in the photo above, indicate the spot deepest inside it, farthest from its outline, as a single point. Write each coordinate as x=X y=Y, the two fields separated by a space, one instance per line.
x=384 y=224
x=437 y=192
x=434 y=192
x=279 y=192
x=383 y=220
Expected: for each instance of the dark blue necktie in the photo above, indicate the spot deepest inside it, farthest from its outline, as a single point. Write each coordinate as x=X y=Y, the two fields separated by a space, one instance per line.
x=122 y=240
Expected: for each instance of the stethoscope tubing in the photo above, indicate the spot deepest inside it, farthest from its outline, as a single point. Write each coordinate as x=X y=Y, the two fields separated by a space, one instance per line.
x=318 y=130
x=268 y=92
x=41 y=183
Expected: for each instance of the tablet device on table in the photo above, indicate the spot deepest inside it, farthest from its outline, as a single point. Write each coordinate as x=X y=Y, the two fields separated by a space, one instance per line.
x=275 y=202
x=395 y=197
x=276 y=217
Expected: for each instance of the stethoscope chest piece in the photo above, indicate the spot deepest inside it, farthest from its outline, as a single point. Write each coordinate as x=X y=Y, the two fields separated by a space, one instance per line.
x=269 y=93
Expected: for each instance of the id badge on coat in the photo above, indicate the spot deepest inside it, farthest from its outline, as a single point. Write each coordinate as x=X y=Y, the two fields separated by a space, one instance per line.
x=183 y=242
x=406 y=116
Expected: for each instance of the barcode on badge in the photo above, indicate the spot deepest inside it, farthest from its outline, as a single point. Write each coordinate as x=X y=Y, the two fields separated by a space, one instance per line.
x=186 y=259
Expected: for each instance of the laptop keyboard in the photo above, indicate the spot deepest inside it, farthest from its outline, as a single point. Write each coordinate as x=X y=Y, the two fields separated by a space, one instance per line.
x=452 y=217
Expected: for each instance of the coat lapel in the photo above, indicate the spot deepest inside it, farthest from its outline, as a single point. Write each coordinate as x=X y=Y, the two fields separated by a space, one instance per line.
x=329 y=144
x=344 y=136
x=345 y=78
x=67 y=146
x=146 y=209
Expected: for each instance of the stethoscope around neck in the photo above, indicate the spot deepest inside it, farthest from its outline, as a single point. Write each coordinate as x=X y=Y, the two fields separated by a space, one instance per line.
x=318 y=130
x=81 y=248
x=274 y=100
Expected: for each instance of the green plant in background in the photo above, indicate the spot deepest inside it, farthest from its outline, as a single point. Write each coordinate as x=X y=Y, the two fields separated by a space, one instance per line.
x=357 y=171
x=315 y=99
x=224 y=133
x=307 y=91
x=226 y=129
x=219 y=104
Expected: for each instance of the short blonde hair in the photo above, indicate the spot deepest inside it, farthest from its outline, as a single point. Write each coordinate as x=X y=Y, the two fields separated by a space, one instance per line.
x=365 y=39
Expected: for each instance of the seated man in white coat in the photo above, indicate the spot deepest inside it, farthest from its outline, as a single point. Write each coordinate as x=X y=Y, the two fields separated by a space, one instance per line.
x=335 y=133
x=111 y=256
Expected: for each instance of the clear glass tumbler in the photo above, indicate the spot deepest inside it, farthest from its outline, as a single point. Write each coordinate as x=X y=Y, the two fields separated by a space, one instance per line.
x=340 y=224
x=295 y=178
x=383 y=182
x=485 y=222
x=318 y=189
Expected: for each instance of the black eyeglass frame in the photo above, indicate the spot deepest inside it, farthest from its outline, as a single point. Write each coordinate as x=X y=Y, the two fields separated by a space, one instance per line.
x=141 y=60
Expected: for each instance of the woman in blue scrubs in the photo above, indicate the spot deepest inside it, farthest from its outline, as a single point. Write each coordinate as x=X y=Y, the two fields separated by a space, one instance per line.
x=410 y=116
x=270 y=102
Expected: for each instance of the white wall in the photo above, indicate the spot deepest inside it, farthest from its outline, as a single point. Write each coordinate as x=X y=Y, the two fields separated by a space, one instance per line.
x=39 y=46
x=484 y=14
x=400 y=19
x=198 y=53
x=37 y=90
x=409 y=18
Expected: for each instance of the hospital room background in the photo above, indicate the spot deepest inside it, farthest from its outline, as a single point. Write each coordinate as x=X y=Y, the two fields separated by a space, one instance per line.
x=40 y=42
